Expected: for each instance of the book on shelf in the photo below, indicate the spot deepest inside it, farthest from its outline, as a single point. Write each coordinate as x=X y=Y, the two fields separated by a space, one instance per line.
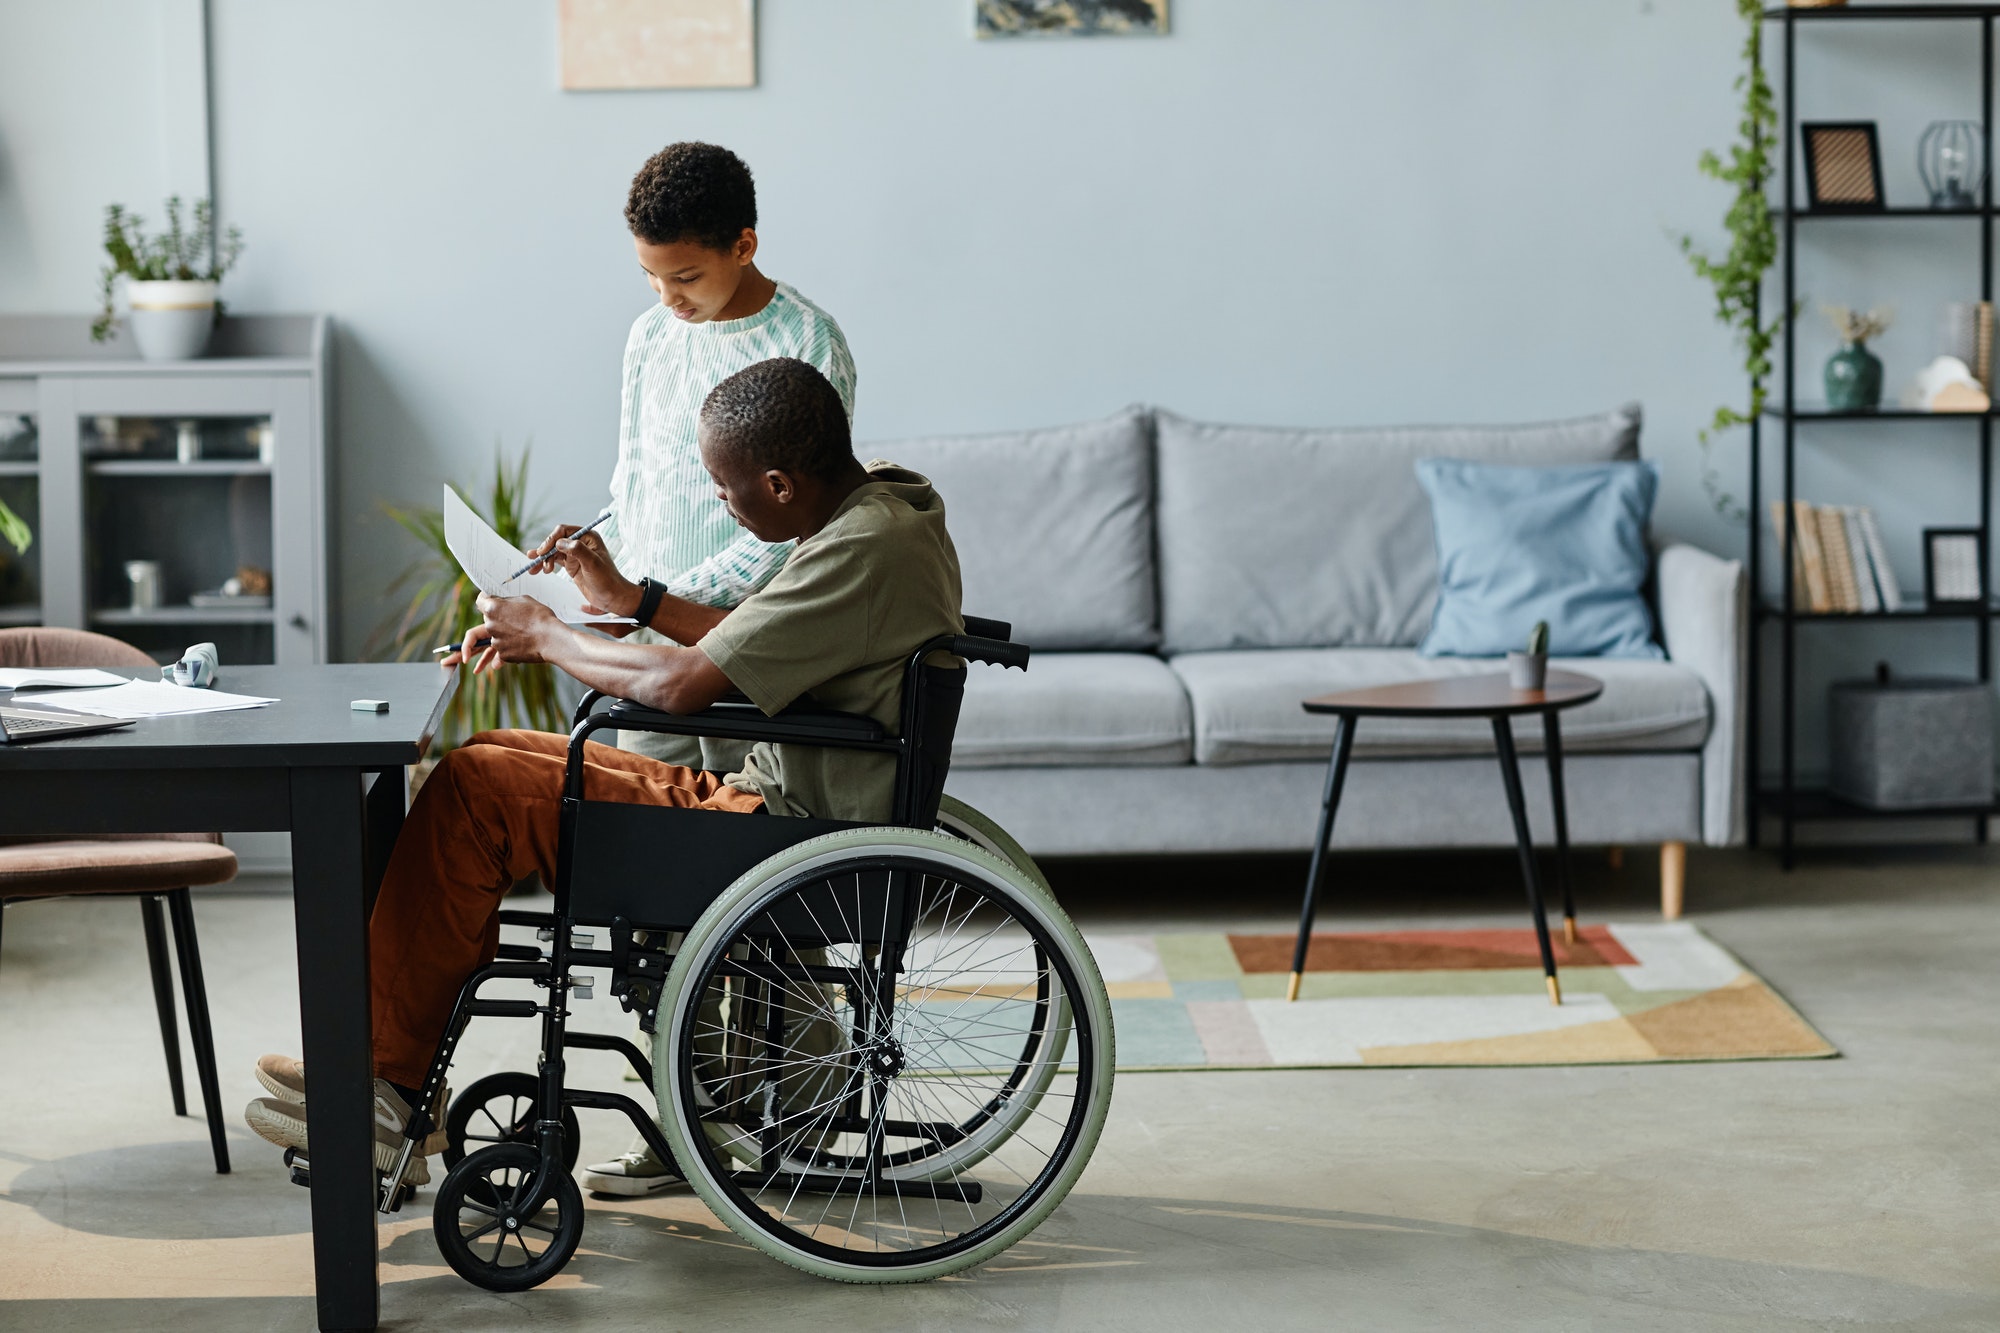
x=1869 y=600
x=1841 y=583
x=1840 y=563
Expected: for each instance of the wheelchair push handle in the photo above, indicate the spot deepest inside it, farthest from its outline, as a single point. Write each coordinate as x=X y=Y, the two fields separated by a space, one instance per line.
x=990 y=641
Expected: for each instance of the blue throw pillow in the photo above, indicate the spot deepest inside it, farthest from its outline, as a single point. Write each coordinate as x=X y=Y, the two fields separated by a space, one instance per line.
x=1521 y=544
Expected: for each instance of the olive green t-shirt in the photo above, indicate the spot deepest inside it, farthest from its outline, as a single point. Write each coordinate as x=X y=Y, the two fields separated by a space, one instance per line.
x=839 y=623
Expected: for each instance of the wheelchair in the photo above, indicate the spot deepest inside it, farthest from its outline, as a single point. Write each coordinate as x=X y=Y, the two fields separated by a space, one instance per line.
x=881 y=1053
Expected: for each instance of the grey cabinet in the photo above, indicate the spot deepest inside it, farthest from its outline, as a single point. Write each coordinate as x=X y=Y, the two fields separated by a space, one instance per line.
x=214 y=471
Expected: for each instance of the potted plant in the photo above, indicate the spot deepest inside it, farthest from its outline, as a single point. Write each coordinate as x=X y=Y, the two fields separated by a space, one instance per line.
x=1530 y=670
x=1854 y=374
x=15 y=533
x=441 y=605
x=170 y=289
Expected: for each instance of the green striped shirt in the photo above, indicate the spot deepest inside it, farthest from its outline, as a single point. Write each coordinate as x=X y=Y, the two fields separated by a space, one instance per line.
x=665 y=519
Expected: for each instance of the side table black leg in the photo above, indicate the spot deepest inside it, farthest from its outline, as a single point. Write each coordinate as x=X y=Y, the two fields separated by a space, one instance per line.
x=1517 y=804
x=1336 y=776
x=329 y=870
x=1552 y=747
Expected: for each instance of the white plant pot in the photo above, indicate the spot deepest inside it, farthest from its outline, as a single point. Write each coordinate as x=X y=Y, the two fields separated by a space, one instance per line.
x=171 y=321
x=1527 y=671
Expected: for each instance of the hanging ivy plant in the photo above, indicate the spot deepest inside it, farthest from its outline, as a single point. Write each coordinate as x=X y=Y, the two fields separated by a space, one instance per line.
x=1738 y=276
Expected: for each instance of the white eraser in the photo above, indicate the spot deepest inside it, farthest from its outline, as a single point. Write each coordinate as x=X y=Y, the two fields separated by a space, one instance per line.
x=370 y=705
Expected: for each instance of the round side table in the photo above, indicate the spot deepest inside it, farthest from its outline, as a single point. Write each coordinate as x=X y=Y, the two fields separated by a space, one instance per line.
x=1460 y=696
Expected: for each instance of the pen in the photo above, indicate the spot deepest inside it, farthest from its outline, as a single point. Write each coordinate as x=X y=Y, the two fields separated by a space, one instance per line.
x=551 y=551
x=444 y=648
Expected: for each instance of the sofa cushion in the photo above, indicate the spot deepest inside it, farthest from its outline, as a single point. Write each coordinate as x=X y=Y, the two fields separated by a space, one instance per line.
x=1054 y=528
x=1246 y=705
x=1273 y=538
x=1074 y=708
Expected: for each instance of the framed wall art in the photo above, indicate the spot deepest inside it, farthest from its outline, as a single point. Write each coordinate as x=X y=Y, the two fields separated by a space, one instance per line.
x=633 y=44
x=1843 y=166
x=1069 y=18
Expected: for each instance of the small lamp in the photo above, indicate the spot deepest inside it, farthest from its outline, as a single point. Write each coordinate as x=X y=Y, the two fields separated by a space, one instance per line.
x=1951 y=158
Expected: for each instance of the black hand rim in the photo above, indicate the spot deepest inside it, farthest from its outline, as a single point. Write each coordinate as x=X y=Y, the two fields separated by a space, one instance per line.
x=722 y=1175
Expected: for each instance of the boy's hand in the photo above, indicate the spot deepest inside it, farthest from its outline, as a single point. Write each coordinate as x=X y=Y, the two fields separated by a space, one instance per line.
x=588 y=563
x=516 y=629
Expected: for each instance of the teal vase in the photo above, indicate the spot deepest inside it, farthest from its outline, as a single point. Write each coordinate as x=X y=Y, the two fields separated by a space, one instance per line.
x=1853 y=379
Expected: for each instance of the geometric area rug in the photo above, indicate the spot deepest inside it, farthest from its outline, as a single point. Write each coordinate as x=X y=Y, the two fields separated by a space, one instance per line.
x=1646 y=993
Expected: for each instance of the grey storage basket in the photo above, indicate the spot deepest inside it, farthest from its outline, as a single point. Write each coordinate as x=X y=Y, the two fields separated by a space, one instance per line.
x=1911 y=743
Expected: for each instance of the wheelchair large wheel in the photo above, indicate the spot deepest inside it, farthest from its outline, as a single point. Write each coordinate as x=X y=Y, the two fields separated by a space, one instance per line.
x=500 y=1225
x=849 y=1013
x=500 y=1108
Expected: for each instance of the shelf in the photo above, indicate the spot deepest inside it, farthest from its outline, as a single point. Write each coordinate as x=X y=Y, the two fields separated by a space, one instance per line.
x=1816 y=803
x=20 y=468
x=1913 y=609
x=30 y=614
x=187 y=615
x=167 y=467
x=1899 y=211
x=1829 y=12
x=1819 y=412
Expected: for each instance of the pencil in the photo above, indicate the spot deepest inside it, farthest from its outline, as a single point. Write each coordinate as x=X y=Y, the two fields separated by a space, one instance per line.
x=551 y=551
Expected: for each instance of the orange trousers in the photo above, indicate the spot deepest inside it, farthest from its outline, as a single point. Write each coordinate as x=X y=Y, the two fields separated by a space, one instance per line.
x=487 y=816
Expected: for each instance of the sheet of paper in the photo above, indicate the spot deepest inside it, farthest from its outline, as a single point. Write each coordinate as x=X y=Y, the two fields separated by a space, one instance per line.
x=23 y=678
x=147 y=698
x=488 y=559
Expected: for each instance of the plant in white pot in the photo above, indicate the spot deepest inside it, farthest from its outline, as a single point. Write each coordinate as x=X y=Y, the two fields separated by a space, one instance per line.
x=167 y=284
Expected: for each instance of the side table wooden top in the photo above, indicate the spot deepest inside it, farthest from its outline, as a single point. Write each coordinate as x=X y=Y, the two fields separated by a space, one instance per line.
x=1460 y=696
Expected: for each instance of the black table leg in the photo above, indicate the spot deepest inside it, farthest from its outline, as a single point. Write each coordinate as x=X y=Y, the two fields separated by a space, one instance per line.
x=1336 y=775
x=1552 y=747
x=1517 y=803
x=329 y=868
x=387 y=800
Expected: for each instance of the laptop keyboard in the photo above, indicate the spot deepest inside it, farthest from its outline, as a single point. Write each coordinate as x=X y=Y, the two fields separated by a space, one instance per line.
x=16 y=726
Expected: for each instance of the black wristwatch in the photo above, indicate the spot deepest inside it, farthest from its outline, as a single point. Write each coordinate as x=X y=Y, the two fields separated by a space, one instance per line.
x=650 y=594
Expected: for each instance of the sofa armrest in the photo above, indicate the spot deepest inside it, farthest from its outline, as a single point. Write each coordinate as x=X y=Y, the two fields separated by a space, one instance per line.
x=1704 y=621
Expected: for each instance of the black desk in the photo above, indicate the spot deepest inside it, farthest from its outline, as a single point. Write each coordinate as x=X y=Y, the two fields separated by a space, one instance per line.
x=331 y=777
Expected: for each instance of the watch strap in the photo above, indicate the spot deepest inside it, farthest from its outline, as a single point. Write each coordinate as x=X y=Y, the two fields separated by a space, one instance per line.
x=650 y=593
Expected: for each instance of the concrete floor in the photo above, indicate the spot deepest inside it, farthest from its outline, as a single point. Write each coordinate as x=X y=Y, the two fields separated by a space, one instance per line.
x=1862 y=1191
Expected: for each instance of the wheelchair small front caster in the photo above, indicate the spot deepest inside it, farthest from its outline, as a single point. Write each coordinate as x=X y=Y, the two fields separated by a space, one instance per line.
x=520 y=1239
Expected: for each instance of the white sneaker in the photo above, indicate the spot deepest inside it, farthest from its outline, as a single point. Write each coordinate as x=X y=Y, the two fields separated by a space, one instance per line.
x=637 y=1172
x=282 y=1122
x=285 y=1079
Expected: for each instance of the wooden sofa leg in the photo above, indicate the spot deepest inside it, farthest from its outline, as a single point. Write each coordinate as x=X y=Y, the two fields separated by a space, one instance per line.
x=1615 y=857
x=1673 y=879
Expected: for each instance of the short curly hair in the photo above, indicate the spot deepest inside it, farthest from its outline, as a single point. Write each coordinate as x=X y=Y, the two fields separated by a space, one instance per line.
x=692 y=192
x=781 y=414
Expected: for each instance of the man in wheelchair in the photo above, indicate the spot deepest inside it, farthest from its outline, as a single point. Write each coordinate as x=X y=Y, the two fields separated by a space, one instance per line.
x=872 y=579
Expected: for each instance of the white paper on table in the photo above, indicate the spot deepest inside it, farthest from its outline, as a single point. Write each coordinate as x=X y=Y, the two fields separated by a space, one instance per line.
x=148 y=698
x=51 y=678
x=488 y=559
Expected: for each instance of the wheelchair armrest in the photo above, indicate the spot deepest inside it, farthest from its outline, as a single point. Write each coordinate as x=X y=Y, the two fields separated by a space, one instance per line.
x=801 y=724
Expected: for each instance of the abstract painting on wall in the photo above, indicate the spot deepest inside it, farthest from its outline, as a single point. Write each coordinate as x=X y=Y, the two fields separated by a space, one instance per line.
x=658 y=44
x=1070 y=18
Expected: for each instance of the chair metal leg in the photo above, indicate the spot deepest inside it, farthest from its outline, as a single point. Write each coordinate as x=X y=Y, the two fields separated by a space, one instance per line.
x=1517 y=804
x=163 y=996
x=1336 y=776
x=195 y=994
x=1552 y=746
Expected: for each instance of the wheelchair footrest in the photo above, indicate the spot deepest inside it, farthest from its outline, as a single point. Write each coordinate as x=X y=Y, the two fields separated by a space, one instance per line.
x=300 y=1167
x=966 y=1191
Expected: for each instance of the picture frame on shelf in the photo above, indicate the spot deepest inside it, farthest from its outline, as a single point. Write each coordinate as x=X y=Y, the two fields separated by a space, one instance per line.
x=1843 y=166
x=1954 y=567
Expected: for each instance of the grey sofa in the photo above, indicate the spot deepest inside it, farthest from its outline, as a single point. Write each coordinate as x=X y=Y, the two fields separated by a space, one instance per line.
x=1186 y=585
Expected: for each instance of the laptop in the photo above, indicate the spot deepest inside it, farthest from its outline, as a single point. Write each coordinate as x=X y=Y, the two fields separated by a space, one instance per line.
x=21 y=724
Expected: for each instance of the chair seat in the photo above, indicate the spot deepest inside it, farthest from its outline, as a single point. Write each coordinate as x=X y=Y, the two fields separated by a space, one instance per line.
x=136 y=865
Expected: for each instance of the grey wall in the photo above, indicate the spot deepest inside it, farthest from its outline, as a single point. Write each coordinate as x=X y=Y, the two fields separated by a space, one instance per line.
x=1336 y=211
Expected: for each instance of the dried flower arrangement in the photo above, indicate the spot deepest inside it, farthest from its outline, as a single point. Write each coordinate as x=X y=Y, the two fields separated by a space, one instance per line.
x=1856 y=328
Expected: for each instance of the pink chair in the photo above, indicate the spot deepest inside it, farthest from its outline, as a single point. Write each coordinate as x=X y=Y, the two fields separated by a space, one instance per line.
x=156 y=868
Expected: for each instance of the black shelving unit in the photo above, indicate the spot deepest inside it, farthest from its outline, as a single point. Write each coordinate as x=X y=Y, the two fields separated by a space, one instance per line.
x=1788 y=801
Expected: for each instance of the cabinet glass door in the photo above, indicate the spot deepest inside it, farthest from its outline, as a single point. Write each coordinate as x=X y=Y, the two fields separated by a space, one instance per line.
x=177 y=514
x=20 y=492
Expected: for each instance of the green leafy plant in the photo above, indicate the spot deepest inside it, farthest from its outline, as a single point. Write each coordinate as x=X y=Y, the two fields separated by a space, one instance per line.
x=441 y=604
x=175 y=255
x=1538 y=639
x=14 y=530
x=1738 y=276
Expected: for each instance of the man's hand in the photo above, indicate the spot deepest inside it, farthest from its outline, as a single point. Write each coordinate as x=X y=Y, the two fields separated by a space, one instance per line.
x=584 y=557
x=515 y=629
